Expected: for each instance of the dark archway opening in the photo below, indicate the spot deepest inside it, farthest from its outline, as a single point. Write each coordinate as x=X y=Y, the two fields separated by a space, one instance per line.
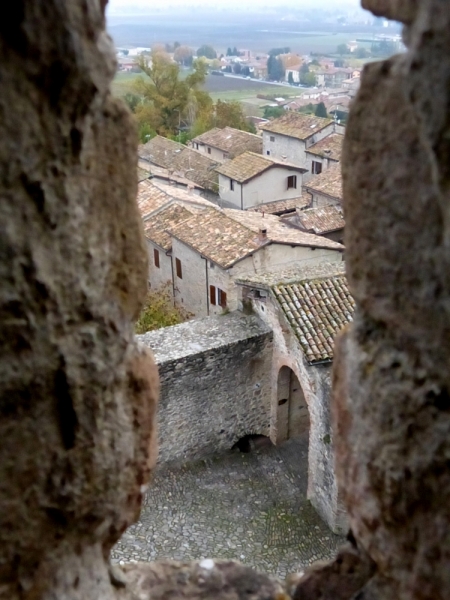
x=252 y=442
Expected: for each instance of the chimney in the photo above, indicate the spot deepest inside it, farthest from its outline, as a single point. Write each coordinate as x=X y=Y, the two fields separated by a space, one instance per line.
x=262 y=235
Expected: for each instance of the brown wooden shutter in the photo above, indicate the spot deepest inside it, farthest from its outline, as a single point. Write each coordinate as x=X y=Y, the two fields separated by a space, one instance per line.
x=156 y=257
x=178 y=268
x=222 y=298
x=212 y=295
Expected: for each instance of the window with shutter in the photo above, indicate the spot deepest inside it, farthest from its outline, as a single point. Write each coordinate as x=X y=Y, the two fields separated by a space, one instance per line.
x=178 y=268
x=292 y=182
x=222 y=298
x=212 y=295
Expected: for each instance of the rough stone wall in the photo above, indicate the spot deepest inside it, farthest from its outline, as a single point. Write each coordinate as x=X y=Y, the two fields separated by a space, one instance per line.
x=392 y=379
x=73 y=384
x=215 y=384
x=316 y=385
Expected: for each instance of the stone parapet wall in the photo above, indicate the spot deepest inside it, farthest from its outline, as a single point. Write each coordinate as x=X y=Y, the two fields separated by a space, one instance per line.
x=215 y=384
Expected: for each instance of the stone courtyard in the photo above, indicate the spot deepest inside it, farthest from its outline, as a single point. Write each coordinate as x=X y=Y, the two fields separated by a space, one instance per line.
x=251 y=507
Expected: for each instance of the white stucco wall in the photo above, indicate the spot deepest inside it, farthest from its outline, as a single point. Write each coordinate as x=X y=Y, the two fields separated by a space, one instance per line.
x=192 y=291
x=158 y=277
x=215 y=153
x=267 y=187
x=325 y=162
x=292 y=148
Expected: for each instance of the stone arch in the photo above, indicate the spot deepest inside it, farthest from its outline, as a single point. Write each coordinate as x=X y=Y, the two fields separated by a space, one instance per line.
x=292 y=409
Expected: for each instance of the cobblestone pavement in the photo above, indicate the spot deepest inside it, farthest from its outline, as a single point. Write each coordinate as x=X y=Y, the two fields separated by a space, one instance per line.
x=251 y=507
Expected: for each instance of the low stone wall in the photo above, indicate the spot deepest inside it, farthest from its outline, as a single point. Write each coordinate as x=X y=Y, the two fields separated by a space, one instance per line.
x=215 y=384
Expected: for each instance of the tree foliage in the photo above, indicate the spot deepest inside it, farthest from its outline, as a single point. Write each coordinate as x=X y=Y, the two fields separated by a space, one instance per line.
x=342 y=49
x=290 y=78
x=207 y=51
x=159 y=311
x=307 y=77
x=321 y=110
x=275 y=69
x=183 y=55
x=273 y=112
x=169 y=101
x=278 y=51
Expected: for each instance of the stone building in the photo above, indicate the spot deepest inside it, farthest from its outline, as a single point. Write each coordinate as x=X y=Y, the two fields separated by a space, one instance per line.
x=305 y=308
x=211 y=250
x=253 y=179
x=325 y=153
x=227 y=143
x=292 y=134
x=326 y=188
x=162 y=206
x=323 y=220
x=175 y=163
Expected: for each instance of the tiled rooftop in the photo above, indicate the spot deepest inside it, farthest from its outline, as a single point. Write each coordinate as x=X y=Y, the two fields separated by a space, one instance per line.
x=300 y=272
x=329 y=182
x=155 y=227
x=181 y=161
x=296 y=125
x=142 y=174
x=317 y=310
x=249 y=165
x=280 y=207
x=160 y=151
x=151 y=197
x=227 y=236
x=230 y=140
x=321 y=220
x=278 y=231
x=329 y=147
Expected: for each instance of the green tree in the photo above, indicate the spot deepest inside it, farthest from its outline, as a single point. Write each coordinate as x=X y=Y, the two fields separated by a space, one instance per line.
x=273 y=112
x=290 y=78
x=237 y=68
x=229 y=52
x=278 y=51
x=131 y=100
x=342 y=49
x=361 y=53
x=159 y=311
x=207 y=51
x=183 y=55
x=169 y=101
x=275 y=69
x=321 y=110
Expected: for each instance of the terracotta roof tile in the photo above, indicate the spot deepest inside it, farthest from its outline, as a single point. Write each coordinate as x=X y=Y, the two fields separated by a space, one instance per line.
x=152 y=197
x=329 y=182
x=280 y=207
x=324 y=219
x=296 y=125
x=329 y=147
x=249 y=164
x=231 y=141
x=155 y=227
x=177 y=158
x=317 y=310
x=227 y=236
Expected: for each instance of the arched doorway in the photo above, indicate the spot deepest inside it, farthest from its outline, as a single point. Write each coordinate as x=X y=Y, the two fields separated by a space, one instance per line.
x=292 y=410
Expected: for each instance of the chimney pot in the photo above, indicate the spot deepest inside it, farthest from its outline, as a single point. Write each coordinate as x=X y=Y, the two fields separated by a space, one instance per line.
x=263 y=234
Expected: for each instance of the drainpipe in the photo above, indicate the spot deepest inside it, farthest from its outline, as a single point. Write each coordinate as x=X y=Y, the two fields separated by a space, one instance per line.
x=207 y=284
x=169 y=253
x=242 y=199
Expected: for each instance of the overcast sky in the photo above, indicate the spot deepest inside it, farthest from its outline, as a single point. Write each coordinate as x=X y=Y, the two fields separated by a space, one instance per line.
x=124 y=4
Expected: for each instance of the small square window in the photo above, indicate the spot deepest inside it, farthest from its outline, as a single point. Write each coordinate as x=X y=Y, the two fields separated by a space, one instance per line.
x=178 y=268
x=272 y=138
x=268 y=152
x=316 y=168
x=156 y=257
x=209 y=150
x=292 y=182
